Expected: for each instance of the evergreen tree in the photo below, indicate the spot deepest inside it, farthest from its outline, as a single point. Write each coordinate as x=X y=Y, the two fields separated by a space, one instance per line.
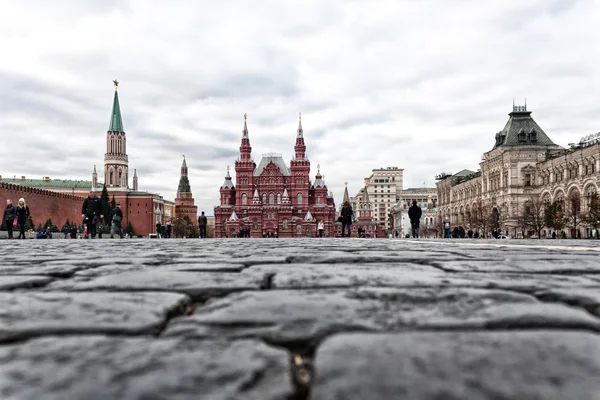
x=29 y=223
x=48 y=224
x=129 y=229
x=113 y=203
x=40 y=228
x=105 y=204
x=66 y=227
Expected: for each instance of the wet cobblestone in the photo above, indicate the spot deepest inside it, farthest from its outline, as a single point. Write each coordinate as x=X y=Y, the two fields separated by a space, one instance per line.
x=299 y=319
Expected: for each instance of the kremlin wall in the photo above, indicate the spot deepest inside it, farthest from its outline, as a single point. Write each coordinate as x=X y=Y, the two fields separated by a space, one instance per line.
x=44 y=204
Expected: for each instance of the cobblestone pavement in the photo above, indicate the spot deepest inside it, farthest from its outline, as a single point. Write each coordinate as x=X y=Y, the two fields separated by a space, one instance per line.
x=299 y=319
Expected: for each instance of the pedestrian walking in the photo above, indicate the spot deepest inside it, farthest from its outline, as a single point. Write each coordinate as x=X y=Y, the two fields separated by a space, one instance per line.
x=346 y=215
x=320 y=228
x=116 y=218
x=9 y=217
x=22 y=216
x=202 y=222
x=414 y=214
x=447 y=233
x=91 y=212
x=158 y=226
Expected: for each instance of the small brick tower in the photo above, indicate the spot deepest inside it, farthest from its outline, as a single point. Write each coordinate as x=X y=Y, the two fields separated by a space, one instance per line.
x=184 y=203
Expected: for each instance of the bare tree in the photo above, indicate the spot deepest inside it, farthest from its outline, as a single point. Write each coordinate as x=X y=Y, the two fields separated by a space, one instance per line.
x=592 y=217
x=532 y=216
x=555 y=217
x=573 y=213
x=481 y=214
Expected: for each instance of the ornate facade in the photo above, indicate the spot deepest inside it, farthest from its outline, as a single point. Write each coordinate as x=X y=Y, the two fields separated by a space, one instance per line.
x=523 y=164
x=272 y=199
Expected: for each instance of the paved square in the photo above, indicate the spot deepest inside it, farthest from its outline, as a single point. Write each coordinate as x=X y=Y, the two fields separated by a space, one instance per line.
x=299 y=319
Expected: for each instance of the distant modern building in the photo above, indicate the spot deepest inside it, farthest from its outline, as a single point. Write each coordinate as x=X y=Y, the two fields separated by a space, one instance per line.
x=426 y=199
x=382 y=187
x=142 y=209
x=523 y=165
x=274 y=199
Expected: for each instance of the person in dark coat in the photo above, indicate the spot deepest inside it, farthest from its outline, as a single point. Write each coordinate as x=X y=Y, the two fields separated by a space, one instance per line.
x=346 y=215
x=91 y=212
x=414 y=214
x=8 y=218
x=116 y=218
x=22 y=215
x=202 y=222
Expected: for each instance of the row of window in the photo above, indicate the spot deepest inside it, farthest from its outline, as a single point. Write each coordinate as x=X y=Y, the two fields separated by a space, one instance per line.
x=276 y=199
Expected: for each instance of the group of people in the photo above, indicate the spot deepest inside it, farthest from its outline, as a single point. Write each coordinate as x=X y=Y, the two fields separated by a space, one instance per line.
x=15 y=217
x=164 y=231
x=91 y=212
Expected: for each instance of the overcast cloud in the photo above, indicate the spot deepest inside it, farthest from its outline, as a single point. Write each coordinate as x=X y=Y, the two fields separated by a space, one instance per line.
x=422 y=85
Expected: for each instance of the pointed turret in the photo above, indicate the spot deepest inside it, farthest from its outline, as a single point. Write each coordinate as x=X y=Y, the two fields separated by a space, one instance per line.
x=135 y=180
x=184 y=183
x=319 y=182
x=116 y=122
x=94 y=179
x=299 y=132
x=256 y=198
x=300 y=147
x=346 y=196
x=116 y=162
x=228 y=184
x=245 y=148
x=286 y=197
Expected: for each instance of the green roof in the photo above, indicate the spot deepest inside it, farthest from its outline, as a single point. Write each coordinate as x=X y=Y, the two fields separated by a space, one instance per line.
x=116 y=123
x=522 y=130
x=184 y=185
x=52 y=183
x=183 y=164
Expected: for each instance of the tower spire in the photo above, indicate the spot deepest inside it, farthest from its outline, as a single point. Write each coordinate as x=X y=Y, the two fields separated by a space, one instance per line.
x=346 y=196
x=299 y=132
x=116 y=122
x=245 y=148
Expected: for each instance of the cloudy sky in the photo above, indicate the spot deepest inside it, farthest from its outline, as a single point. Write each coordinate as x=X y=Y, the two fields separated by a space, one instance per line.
x=423 y=85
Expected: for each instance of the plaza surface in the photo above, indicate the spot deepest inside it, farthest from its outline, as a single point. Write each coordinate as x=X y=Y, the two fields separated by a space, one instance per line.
x=299 y=319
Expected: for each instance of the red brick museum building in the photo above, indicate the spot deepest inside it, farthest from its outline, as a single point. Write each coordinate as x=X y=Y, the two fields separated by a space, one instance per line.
x=274 y=199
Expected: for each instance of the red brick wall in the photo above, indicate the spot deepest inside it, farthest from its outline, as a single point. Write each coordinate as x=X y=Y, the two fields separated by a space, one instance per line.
x=44 y=204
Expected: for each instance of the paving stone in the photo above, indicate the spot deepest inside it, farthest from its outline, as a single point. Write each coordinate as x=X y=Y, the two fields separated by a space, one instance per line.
x=26 y=314
x=457 y=366
x=16 y=282
x=198 y=285
x=588 y=298
x=543 y=264
x=58 y=368
x=306 y=276
x=113 y=269
x=288 y=316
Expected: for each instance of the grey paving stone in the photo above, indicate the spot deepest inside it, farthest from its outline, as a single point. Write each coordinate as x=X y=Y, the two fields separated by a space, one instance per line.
x=113 y=269
x=288 y=316
x=9 y=282
x=26 y=314
x=198 y=285
x=456 y=366
x=544 y=264
x=588 y=298
x=100 y=368
x=307 y=276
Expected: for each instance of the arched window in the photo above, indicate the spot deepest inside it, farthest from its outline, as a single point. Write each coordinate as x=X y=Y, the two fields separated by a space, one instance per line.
x=299 y=229
x=244 y=199
x=111 y=178
x=299 y=197
x=255 y=224
x=271 y=198
x=264 y=196
x=120 y=176
x=285 y=224
x=278 y=198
